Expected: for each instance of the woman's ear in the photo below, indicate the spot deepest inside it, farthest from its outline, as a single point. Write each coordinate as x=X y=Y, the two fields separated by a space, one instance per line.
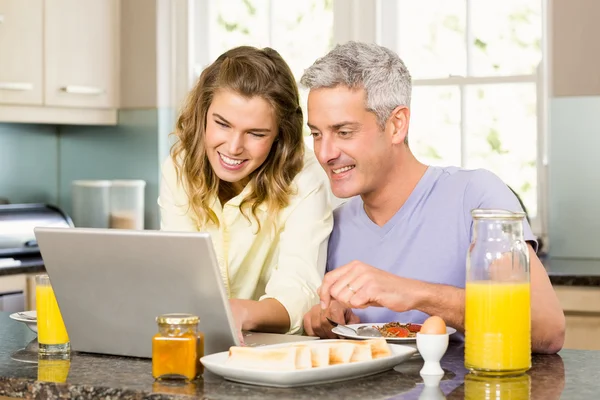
x=399 y=120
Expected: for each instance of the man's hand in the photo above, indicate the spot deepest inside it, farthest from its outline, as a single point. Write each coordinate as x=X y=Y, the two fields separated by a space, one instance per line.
x=358 y=285
x=316 y=324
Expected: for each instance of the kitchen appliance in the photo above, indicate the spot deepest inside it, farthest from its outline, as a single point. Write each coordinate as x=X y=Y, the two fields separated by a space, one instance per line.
x=19 y=252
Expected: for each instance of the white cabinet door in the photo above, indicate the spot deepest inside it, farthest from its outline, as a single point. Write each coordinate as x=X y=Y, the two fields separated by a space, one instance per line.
x=82 y=53
x=21 y=52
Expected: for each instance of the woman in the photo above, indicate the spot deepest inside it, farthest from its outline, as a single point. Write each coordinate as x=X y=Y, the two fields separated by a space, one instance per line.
x=239 y=171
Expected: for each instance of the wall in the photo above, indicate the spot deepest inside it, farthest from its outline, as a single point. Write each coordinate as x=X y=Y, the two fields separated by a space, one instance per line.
x=574 y=134
x=29 y=163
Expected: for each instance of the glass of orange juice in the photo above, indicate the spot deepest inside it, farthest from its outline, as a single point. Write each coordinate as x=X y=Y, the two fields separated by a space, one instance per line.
x=52 y=334
x=498 y=296
x=53 y=370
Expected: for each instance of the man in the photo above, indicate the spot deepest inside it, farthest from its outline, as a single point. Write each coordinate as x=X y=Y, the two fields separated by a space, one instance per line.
x=398 y=249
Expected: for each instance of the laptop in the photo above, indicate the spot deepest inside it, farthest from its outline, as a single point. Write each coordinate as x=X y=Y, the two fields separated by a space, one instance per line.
x=111 y=284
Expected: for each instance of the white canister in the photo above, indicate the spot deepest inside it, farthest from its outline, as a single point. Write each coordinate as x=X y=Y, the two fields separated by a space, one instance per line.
x=127 y=204
x=91 y=203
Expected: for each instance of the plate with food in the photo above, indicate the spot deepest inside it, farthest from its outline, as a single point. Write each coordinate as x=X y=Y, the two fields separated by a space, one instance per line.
x=27 y=317
x=307 y=363
x=393 y=332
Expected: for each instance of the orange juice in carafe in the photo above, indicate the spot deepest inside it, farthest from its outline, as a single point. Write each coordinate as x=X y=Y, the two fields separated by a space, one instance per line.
x=479 y=387
x=497 y=295
x=498 y=323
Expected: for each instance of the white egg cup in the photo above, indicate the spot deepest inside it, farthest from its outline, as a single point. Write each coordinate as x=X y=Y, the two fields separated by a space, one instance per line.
x=432 y=349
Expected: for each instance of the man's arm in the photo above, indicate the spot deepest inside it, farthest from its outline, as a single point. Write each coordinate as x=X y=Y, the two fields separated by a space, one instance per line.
x=358 y=285
x=547 y=316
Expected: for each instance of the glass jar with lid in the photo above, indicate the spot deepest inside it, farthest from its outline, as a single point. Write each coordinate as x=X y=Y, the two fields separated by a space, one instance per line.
x=177 y=347
x=498 y=295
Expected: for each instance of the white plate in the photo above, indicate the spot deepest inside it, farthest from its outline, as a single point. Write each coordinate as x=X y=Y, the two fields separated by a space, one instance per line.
x=215 y=363
x=342 y=332
x=31 y=322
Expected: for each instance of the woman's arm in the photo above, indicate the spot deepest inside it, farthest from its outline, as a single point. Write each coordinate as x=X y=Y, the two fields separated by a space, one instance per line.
x=267 y=315
x=292 y=288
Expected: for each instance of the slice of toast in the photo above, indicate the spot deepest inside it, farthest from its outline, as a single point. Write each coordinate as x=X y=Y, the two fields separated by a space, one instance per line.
x=278 y=359
x=379 y=348
x=303 y=357
x=362 y=352
x=320 y=354
x=341 y=352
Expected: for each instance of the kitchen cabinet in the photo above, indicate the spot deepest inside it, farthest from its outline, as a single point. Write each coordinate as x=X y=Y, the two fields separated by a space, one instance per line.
x=20 y=283
x=581 y=305
x=73 y=48
x=13 y=285
x=21 y=51
x=81 y=43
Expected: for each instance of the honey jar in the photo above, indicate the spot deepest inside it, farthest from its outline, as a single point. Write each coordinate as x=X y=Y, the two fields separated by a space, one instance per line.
x=177 y=348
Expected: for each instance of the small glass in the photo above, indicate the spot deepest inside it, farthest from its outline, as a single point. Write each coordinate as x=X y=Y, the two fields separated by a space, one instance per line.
x=498 y=295
x=52 y=333
x=177 y=348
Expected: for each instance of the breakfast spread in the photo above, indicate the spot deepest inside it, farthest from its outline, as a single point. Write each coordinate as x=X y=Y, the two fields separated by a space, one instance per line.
x=399 y=330
x=305 y=356
x=432 y=326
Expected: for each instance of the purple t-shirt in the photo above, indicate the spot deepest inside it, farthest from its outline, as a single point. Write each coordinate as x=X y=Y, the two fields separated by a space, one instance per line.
x=427 y=239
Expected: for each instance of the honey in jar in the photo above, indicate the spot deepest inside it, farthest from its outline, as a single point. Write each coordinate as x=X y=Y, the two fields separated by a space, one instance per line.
x=177 y=348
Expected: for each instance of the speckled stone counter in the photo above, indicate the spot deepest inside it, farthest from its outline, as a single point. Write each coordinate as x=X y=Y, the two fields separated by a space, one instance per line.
x=572 y=375
x=26 y=267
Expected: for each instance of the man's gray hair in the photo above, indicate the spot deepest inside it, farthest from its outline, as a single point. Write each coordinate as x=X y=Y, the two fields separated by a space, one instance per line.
x=378 y=70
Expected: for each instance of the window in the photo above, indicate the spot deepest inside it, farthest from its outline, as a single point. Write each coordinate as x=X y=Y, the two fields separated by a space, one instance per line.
x=301 y=31
x=475 y=74
x=478 y=90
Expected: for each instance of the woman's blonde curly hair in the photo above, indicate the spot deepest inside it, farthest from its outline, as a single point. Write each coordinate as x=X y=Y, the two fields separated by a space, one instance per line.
x=250 y=72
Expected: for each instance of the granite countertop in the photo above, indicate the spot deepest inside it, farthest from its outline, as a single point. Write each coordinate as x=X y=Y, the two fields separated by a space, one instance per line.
x=26 y=266
x=571 y=374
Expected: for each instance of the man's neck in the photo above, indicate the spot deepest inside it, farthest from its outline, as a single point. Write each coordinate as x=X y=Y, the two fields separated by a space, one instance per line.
x=382 y=204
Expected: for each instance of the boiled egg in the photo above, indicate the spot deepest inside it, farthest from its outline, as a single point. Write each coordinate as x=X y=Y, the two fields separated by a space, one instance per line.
x=433 y=325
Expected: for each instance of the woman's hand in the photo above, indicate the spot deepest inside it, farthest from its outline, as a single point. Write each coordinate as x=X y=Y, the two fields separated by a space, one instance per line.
x=240 y=315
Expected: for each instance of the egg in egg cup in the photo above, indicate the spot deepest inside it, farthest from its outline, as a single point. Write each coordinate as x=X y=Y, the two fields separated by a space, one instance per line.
x=432 y=342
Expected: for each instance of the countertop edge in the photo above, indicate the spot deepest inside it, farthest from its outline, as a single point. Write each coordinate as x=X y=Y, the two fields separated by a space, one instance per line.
x=29 y=388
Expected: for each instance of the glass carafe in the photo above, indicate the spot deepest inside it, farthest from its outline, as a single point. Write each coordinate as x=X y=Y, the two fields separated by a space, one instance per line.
x=498 y=302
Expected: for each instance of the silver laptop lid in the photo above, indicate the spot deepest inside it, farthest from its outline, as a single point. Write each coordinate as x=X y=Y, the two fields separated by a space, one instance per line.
x=111 y=284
